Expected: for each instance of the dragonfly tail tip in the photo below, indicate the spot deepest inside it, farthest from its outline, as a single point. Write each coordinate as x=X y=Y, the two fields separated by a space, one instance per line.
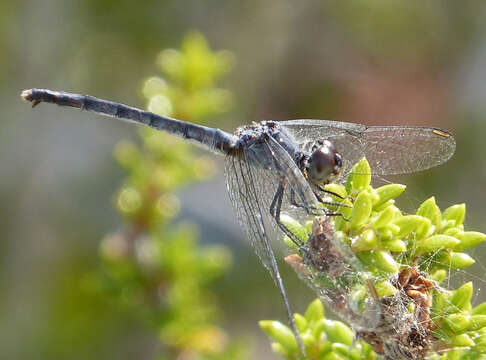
x=28 y=95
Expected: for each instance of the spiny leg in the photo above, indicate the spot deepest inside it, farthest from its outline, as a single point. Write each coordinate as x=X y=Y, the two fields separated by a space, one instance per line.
x=313 y=210
x=275 y=209
x=322 y=189
x=330 y=203
x=332 y=193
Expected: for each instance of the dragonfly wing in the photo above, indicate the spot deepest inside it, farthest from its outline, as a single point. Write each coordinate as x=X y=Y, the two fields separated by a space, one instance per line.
x=244 y=197
x=252 y=177
x=390 y=150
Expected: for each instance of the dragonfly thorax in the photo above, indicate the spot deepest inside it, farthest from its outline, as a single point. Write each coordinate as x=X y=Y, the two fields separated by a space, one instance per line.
x=324 y=163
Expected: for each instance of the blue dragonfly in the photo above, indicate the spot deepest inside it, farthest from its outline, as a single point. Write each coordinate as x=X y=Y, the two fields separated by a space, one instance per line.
x=274 y=168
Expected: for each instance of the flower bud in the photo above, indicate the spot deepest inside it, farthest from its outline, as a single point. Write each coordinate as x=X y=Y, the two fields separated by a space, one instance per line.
x=462 y=297
x=388 y=192
x=360 y=176
x=463 y=340
x=431 y=211
x=395 y=245
x=460 y=260
x=280 y=333
x=411 y=223
x=458 y=322
x=384 y=205
x=440 y=304
x=366 y=241
x=361 y=210
x=300 y=322
x=318 y=328
x=315 y=311
x=337 y=332
x=438 y=275
x=470 y=239
x=333 y=356
x=384 y=261
x=341 y=349
x=385 y=216
x=454 y=232
x=385 y=234
x=438 y=242
x=480 y=309
x=385 y=288
x=477 y=322
x=456 y=213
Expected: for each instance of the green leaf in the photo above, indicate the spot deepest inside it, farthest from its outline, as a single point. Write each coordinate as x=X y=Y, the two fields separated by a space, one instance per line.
x=385 y=288
x=477 y=322
x=361 y=210
x=395 y=245
x=388 y=192
x=440 y=304
x=480 y=309
x=300 y=322
x=470 y=239
x=337 y=332
x=384 y=261
x=458 y=322
x=438 y=242
x=439 y=275
x=315 y=311
x=411 y=223
x=280 y=333
x=386 y=216
x=333 y=356
x=341 y=349
x=462 y=297
x=359 y=177
x=463 y=340
x=431 y=211
x=456 y=213
x=366 y=241
x=460 y=260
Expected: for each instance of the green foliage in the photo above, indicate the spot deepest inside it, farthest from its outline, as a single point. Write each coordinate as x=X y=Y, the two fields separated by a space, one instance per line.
x=152 y=268
x=192 y=72
x=396 y=260
x=323 y=338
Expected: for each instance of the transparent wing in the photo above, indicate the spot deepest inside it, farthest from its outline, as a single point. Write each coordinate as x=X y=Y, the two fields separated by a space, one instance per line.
x=253 y=177
x=390 y=150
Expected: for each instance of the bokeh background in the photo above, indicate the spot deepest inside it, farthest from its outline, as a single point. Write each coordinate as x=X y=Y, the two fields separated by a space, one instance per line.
x=381 y=62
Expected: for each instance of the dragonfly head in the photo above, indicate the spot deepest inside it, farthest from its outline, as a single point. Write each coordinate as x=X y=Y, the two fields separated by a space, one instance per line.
x=324 y=163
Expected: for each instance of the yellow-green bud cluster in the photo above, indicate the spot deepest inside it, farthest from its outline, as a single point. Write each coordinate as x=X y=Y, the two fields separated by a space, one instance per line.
x=459 y=324
x=386 y=241
x=322 y=338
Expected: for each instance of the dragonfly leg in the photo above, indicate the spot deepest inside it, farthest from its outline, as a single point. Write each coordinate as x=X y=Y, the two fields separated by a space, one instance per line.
x=275 y=209
x=278 y=281
x=309 y=209
x=321 y=200
x=313 y=210
x=322 y=189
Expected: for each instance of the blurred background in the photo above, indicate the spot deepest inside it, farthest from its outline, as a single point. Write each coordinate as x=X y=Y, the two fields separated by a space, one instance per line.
x=69 y=191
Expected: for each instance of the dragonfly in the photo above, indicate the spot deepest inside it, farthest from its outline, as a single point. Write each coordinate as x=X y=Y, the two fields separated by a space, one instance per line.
x=273 y=168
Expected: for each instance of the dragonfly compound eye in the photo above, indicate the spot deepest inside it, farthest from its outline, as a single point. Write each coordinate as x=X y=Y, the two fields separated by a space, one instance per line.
x=324 y=163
